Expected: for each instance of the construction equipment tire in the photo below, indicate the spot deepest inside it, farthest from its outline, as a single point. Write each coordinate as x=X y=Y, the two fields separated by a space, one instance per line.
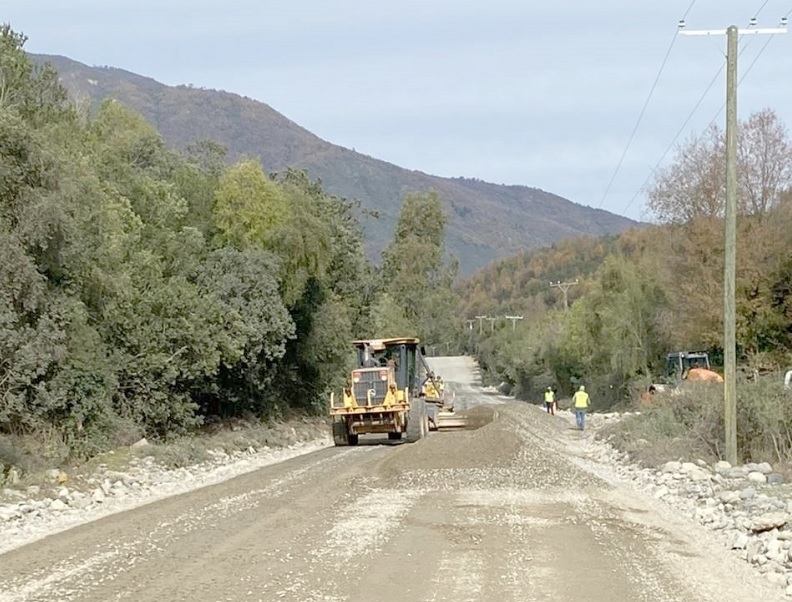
x=416 y=420
x=395 y=436
x=340 y=437
x=353 y=439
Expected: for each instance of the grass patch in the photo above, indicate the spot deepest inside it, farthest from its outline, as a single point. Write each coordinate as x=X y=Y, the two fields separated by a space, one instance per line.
x=32 y=455
x=177 y=454
x=688 y=423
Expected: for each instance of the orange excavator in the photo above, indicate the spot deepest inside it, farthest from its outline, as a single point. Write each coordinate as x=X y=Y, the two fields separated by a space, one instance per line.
x=681 y=367
x=693 y=366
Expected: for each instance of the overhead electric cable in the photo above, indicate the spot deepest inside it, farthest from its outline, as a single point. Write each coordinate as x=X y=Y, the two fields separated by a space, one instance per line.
x=751 y=66
x=643 y=110
x=701 y=99
x=678 y=134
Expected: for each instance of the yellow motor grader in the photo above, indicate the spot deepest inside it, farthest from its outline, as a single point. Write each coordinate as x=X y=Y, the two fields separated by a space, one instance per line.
x=386 y=393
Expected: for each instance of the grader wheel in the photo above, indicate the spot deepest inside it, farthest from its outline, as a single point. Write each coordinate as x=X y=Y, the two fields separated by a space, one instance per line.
x=417 y=420
x=340 y=436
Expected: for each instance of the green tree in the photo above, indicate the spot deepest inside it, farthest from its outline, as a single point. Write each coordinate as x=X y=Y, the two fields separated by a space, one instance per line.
x=249 y=207
x=31 y=91
x=245 y=285
x=414 y=272
x=612 y=334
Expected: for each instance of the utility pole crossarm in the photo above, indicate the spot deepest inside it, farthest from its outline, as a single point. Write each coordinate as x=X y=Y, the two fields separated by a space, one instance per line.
x=743 y=32
x=513 y=319
x=564 y=286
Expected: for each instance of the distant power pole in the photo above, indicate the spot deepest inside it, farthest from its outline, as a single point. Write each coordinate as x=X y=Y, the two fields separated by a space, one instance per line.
x=513 y=319
x=730 y=219
x=492 y=323
x=564 y=286
x=480 y=319
x=470 y=324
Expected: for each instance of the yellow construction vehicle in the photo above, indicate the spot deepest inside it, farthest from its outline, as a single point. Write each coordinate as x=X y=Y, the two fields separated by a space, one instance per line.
x=441 y=414
x=391 y=390
x=382 y=396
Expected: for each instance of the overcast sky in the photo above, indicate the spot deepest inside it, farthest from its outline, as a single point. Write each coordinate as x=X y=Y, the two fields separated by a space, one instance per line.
x=544 y=94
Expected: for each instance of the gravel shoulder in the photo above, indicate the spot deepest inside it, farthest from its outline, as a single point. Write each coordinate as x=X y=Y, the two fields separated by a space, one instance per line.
x=524 y=507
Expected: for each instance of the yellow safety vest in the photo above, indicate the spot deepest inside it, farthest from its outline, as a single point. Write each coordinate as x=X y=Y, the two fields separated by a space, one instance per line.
x=549 y=397
x=581 y=400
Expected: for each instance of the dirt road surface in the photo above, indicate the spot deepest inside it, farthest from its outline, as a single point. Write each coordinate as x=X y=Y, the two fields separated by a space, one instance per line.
x=512 y=510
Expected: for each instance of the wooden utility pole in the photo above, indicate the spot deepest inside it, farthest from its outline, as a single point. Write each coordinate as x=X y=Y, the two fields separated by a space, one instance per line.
x=730 y=260
x=492 y=323
x=480 y=319
x=564 y=286
x=730 y=230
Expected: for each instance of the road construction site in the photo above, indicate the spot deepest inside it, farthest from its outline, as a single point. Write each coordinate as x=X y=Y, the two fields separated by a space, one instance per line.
x=514 y=507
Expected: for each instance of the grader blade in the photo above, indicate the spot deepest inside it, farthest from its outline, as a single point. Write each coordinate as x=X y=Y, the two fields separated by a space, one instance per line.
x=447 y=421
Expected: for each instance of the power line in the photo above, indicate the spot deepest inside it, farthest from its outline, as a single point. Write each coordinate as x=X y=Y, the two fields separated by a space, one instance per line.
x=643 y=110
x=701 y=99
x=676 y=137
x=745 y=74
x=753 y=62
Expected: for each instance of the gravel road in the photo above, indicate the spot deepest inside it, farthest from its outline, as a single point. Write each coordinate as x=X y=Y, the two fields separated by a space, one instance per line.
x=512 y=510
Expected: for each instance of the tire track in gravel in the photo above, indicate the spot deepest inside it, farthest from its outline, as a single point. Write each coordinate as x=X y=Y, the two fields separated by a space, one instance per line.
x=77 y=574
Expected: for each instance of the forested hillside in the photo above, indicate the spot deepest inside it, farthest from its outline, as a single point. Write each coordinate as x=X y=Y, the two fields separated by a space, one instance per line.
x=485 y=221
x=144 y=290
x=650 y=291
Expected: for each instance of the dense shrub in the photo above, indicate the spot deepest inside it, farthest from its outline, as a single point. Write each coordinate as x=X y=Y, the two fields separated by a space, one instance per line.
x=688 y=423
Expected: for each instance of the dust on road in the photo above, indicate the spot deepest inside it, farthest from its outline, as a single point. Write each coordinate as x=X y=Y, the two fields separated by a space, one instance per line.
x=509 y=511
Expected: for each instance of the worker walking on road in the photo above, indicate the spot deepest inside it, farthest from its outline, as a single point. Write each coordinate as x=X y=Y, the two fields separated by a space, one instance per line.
x=581 y=402
x=549 y=400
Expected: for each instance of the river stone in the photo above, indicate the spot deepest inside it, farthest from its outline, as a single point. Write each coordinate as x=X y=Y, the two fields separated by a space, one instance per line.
x=57 y=505
x=661 y=492
x=729 y=497
x=722 y=467
x=140 y=444
x=771 y=520
x=757 y=477
x=698 y=474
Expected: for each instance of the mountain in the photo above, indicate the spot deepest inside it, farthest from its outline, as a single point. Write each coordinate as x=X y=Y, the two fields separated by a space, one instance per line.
x=486 y=221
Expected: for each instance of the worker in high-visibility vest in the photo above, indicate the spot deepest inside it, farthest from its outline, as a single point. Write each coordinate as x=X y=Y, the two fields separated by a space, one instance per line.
x=581 y=403
x=440 y=385
x=549 y=400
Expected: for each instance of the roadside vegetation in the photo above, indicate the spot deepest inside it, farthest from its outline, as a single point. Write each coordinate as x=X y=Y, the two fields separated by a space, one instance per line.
x=656 y=290
x=688 y=424
x=152 y=292
x=148 y=292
